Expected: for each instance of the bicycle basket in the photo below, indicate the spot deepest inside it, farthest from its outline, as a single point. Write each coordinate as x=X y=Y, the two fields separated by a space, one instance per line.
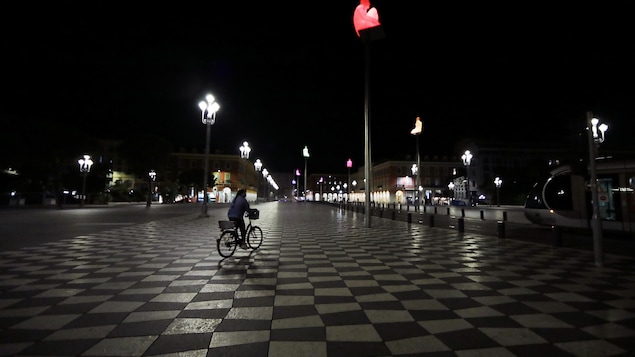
x=253 y=213
x=226 y=225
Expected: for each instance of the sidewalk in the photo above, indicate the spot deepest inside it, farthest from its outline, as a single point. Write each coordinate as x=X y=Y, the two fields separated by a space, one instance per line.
x=322 y=284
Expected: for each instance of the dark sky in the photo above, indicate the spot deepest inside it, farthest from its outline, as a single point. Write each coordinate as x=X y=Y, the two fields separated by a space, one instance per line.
x=292 y=74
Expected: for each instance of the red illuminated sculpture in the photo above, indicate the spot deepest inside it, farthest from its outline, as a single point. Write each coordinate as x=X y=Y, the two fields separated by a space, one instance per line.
x=365 y=17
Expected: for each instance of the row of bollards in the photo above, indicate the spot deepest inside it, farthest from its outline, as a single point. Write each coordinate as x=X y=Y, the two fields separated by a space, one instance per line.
x=557 y=233
x=431 y=223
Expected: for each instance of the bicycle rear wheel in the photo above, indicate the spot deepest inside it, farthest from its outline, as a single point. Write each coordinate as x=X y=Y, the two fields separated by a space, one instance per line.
x=226 y=244
x=254 y=237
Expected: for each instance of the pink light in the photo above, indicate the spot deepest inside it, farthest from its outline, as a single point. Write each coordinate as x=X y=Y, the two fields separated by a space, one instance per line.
x=365 y=17
x=349 y=163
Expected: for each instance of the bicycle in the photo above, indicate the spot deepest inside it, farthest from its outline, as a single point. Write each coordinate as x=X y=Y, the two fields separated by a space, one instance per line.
x=230 y=235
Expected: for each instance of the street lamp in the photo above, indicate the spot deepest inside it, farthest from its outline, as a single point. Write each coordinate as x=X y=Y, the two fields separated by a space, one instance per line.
x=84 y=167
x=415 y=170
x=349 y=164
x=297 y=183
x=498 y=182
x=258 y=167
x=321 y=186
x=265 y=189
x=467 y=158
x=151 y=177
x=451 y=188
x=595 y=139
x=244 y=150
x=209 y=107
x=305 y=153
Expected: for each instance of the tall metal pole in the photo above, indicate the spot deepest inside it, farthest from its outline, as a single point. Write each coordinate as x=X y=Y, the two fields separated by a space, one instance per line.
x=417 y=178
x=305 y=153
x=208 y=129
x=367 y=161
x=83 y=200
x=305 y=159
x=596 y=224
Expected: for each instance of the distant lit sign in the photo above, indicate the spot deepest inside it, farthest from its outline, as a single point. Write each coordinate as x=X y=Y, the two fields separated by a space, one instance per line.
x=365 y=17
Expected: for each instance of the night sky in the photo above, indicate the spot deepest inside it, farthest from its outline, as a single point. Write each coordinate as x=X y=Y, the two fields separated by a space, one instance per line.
x=287 y=76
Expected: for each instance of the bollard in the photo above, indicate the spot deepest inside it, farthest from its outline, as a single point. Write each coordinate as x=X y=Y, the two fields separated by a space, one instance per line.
x=504 y=215
x=409 y=217
x=435 y=209
x=431 y=221
x=482 y=214
x=448 y=211
x=462 y=212
x=461 y=225
x=557 y=236
x=501 y=229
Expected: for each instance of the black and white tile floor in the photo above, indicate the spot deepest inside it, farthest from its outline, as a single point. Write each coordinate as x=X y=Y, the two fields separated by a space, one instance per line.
x=322 y=284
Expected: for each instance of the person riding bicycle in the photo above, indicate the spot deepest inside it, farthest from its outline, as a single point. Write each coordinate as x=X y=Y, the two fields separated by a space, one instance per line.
x=236 y=213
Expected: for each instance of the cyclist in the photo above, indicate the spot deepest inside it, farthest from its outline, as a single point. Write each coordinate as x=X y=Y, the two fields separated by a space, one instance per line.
x=236 y=213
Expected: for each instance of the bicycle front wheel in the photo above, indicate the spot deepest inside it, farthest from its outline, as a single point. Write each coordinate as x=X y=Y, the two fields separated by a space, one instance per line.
x=254 y=237
x=226 y=244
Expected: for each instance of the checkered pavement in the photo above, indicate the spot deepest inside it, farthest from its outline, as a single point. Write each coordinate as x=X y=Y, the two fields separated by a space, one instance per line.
x=322 y=284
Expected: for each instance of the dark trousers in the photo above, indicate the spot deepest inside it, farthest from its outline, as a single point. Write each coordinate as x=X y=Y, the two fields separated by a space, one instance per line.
x=240 y=222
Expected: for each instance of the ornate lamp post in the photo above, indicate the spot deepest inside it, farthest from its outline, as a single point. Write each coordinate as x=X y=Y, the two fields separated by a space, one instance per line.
x=354 y=183
x=297 y=182
x=498 y=182
x=258 y=167
x=265 y=189
x=209 y=107
x=349 y=164
x=305 y=153
x=451 y=188
x=467 y=159
x=151 y=177
x=84 y=167
x=595 y=139
x=244 y=154
x=244 y=150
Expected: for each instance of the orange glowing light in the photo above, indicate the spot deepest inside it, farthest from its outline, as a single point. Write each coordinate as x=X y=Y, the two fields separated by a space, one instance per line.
x=365 y=17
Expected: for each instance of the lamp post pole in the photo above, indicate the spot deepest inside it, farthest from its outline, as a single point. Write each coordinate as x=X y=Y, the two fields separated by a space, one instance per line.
x=297 y=184
x=467 y=158
x=258 y=167
x=415 y=170
x=498 y=182
x=151 y=177
x=451 y=188
x=349 y=164
x=416 y=131
x=305 y=153
x=208 y=117
x=84 y=167
x=595 y=139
